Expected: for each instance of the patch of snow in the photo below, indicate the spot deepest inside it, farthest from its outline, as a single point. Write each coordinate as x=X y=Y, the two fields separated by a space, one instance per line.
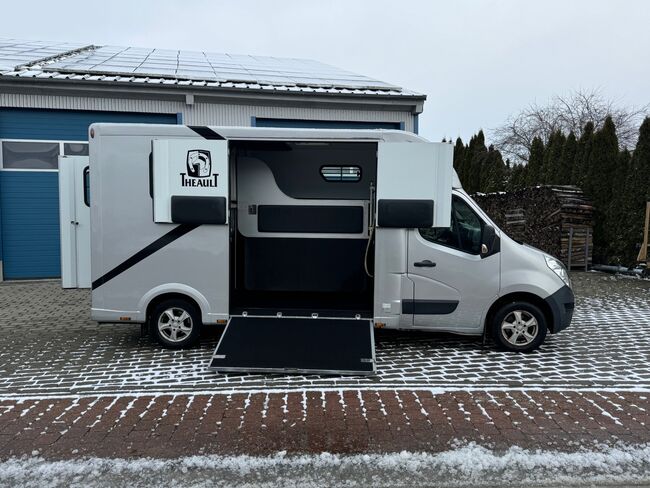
x=470 y=464
x=20 y=397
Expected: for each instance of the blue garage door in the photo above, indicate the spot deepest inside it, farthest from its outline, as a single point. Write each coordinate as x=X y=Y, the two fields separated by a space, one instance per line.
x=29 y=200
x=324 y=124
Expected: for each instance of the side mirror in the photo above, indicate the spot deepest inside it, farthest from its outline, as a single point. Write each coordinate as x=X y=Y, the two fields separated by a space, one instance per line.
x=487 y=240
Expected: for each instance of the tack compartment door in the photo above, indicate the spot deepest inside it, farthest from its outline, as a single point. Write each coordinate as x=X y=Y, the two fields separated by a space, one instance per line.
x=190 y=181
x=191 y=189
x=82 y=221
x=413 y=191
x=414 y=184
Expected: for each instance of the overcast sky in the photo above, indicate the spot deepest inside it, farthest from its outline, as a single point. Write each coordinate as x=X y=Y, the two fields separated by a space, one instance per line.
x=478 y=61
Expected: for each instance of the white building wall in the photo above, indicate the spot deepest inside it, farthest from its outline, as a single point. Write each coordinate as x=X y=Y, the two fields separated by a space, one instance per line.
x=206 y=113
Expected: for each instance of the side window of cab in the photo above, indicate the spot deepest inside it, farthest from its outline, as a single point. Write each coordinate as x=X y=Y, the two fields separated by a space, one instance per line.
x=464 y=233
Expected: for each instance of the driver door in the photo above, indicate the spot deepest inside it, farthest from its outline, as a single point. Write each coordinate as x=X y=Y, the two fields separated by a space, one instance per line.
x=453 y=283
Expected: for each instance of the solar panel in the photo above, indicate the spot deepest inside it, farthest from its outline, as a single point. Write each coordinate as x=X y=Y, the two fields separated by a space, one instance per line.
x=194 y=65
x=180 y=65
x=15 y=52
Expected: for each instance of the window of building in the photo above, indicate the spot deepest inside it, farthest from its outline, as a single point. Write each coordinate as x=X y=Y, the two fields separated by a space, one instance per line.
x=30 y=155
x=341 y=173
x=38 y=155
x=465 y=232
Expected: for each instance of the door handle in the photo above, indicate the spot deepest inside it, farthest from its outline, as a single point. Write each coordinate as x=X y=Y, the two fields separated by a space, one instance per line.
x=424 y=264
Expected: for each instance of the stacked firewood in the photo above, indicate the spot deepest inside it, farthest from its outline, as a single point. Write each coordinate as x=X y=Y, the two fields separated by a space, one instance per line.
x=551 y=218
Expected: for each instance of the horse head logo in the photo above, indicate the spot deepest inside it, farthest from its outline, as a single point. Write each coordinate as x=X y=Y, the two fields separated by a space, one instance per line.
x=198 y=163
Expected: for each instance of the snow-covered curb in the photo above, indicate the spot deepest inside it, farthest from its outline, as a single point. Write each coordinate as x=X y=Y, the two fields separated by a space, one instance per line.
x=467 y=465
x=22 y=397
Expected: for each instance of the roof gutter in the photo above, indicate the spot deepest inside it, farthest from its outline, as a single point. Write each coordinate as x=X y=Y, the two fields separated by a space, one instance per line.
x=207 y=94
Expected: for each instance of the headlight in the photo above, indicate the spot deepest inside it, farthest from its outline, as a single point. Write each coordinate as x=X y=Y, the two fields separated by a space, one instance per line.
x=558 y=268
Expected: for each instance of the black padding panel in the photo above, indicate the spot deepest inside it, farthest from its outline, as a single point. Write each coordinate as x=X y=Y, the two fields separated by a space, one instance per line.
x=297 y=170
x=310 y=219
x=198 y=210
x=296 y=345
x=307 y=265
x=405 y=214
x=429 y=307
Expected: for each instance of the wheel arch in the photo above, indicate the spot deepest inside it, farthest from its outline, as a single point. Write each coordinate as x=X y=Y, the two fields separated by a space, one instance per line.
x=171 y=291
x=521 y=297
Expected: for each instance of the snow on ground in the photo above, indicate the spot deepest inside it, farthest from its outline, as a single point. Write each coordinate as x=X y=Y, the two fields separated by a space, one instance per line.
x=469 y=465
x=60 y=351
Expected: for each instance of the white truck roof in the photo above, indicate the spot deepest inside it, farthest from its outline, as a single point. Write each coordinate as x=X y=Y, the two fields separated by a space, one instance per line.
x=243 y=133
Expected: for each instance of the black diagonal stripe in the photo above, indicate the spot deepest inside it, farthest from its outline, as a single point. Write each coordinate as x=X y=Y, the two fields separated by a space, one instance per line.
x=205 y=132
x=156 y=245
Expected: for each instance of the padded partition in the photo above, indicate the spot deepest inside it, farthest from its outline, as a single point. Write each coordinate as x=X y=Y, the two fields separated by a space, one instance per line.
x=307 y=265
x=198 y=210
x=405 y=214
x=310 y=219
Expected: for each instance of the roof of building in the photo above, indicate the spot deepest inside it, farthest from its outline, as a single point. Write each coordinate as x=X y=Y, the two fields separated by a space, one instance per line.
x=115 y=64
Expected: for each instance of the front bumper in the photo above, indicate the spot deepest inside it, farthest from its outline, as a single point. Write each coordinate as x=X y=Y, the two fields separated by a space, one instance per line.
x=561 y=303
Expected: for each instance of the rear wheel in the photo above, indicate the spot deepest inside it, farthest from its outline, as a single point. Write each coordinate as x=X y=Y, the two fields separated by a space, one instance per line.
x=176 y=323
x=519 y=326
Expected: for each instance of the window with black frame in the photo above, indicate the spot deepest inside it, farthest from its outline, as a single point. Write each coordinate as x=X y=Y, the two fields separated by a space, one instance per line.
x=464 y=233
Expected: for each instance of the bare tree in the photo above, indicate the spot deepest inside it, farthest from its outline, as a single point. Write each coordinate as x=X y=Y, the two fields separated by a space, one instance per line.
x=566 y=113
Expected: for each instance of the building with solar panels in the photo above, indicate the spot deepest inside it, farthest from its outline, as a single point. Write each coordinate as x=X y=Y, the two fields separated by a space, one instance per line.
x=51 y=92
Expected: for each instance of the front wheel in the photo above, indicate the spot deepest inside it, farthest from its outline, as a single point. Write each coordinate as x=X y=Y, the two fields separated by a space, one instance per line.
x=519 y=326
x=176 y=323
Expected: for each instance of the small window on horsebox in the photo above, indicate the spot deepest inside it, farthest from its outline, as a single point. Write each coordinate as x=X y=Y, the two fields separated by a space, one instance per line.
x=75 y=149
x=341 y=173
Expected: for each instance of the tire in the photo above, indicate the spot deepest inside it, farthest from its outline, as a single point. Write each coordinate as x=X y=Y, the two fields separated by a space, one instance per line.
x=519 y=327
x=175 y=323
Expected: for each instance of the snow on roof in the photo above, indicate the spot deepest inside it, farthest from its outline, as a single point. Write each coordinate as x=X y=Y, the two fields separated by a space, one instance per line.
x=115 y=64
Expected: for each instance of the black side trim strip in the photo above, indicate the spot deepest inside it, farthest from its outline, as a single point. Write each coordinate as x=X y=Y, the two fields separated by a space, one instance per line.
x=428 y=307
x=206 y=132
x=156 y=245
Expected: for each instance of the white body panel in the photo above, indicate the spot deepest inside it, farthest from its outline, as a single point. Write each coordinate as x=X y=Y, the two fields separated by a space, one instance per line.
x=74 y=214
x=417 y=172
x=173 y=162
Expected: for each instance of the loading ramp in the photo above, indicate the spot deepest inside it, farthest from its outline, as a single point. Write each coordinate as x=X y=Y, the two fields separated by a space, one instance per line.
x=296 y=345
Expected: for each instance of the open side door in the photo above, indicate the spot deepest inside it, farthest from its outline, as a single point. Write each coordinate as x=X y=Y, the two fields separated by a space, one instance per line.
x=190 y=188
x=296 y=345
x=414 y=182
x=74 y=215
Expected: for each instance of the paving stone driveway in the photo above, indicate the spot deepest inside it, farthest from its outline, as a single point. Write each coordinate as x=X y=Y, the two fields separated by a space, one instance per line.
x=51 y=347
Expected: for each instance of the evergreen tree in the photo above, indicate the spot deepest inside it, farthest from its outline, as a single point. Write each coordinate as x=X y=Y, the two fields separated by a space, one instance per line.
x=517 y=178
x=597 y=185
x=565 y=168
x=494 y=171
x=474 y=159
x=535 y=163
x=459 y=154
x=638 y=189
x=552 y=157
x=582 y=154
x=619 y=236
x=602 y=162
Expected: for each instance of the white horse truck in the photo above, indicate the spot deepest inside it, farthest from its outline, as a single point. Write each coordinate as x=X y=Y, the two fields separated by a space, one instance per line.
x=300 y=241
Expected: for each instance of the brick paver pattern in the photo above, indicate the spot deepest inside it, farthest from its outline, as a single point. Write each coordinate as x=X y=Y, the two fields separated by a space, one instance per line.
x=70 y=387
x=50 y=346
x=347 y=421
